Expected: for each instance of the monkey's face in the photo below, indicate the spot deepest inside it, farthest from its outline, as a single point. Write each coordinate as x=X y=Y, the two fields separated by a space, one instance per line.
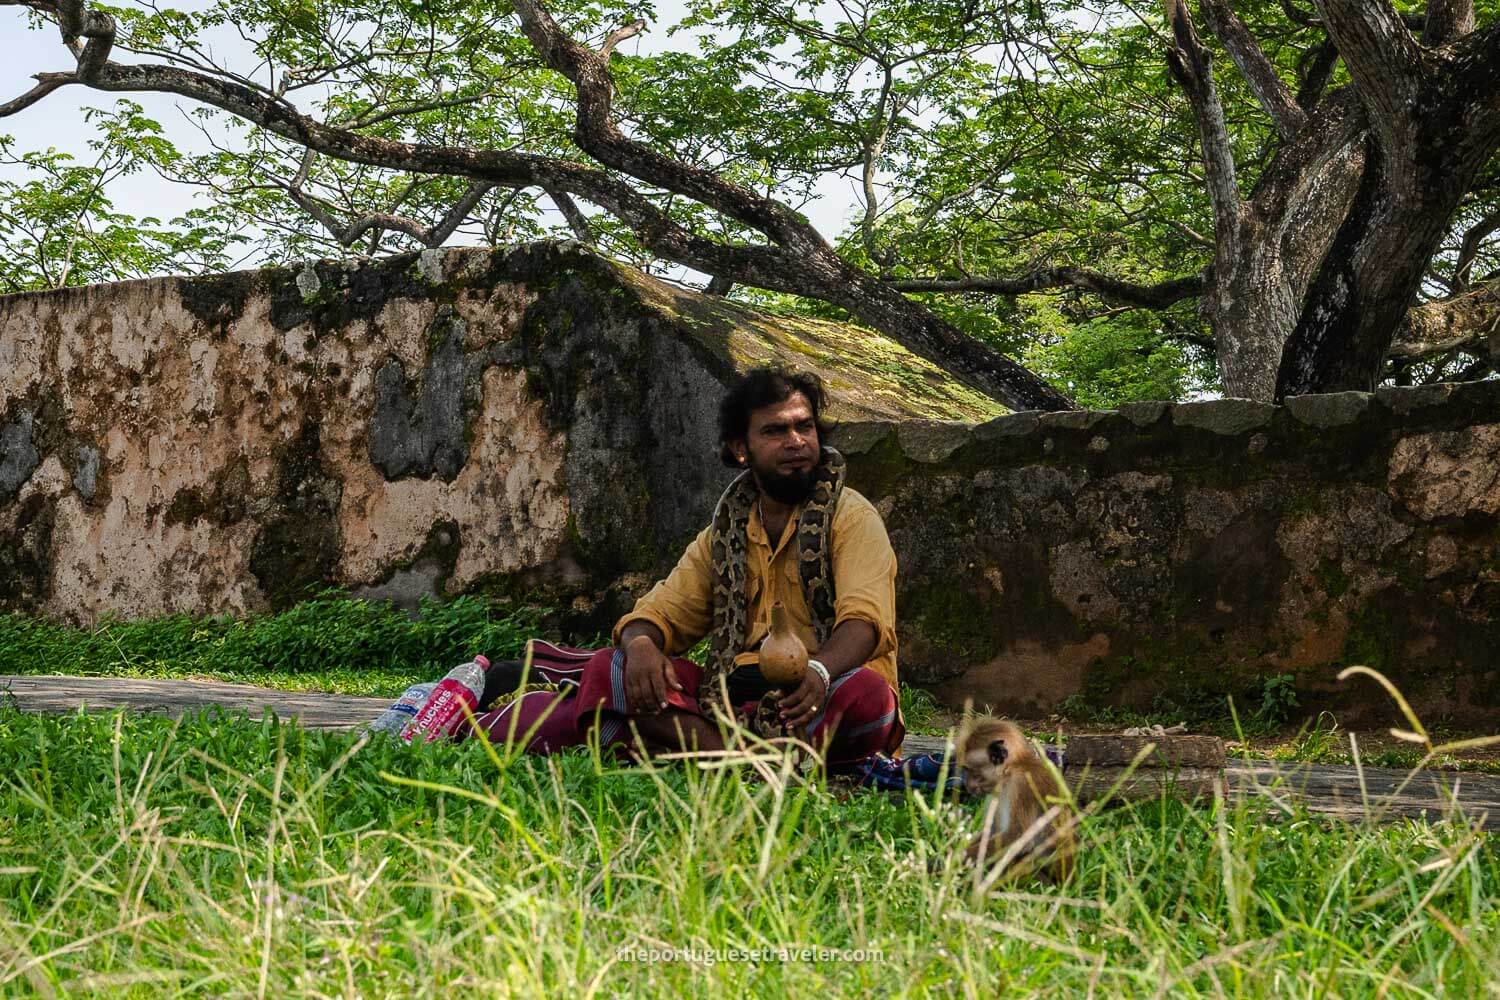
x=982 y=765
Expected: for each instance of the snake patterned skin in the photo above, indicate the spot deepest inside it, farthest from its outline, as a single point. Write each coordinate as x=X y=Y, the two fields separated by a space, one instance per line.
x=728 y=545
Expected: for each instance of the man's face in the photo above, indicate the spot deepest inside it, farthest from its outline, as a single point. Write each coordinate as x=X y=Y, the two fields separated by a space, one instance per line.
x=782 y=448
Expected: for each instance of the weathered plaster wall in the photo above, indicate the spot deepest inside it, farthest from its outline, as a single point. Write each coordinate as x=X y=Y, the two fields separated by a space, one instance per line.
x=437 y=422
x=498 y=422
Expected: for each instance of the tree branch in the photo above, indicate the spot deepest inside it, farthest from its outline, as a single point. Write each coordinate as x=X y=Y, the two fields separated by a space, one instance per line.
x=872 y=147
x=596 y=133
x=1188 y=233
x=1385 y=62
x=76 y=21
x=577 y=221
x=1474 y=237
x=1297 y=16
x=503 y=167
x=1316 y=69
x=802 y=263
x=35 y=94
x=1469 y=321
x=1269 y=89
x=1447 y=20
x=439 y=233
x=429 y=236
x=1157 y=296
x=619 y=35
x=1191 y=66
x=437 y=104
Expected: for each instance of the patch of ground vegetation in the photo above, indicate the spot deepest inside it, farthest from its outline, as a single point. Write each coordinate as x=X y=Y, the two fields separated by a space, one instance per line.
x=217 y=855
x=341 y=645
x=331 y=643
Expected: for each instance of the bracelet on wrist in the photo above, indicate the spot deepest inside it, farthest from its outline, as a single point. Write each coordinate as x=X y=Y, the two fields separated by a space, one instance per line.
x=816 y=666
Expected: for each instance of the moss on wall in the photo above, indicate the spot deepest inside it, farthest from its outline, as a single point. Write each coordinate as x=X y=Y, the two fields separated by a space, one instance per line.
x=26 y=554
x=296 y=548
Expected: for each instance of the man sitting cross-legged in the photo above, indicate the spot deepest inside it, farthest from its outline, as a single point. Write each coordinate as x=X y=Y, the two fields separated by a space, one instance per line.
x=787 y=531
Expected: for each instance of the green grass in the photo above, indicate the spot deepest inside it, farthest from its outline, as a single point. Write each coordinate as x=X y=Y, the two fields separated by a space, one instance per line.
x=920 y=711
x=228 y=856
x=1323 y=741
x=214 y=856
x=332 y=643
x=341 y=645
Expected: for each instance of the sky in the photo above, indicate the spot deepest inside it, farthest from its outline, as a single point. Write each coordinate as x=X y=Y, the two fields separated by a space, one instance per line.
x=57 y=121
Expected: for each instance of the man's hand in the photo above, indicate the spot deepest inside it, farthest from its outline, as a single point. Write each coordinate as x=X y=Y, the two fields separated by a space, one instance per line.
x=648 y=676
x=803 y=705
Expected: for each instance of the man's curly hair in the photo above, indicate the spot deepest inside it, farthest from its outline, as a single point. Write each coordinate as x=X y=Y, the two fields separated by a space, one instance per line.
x=764 y=386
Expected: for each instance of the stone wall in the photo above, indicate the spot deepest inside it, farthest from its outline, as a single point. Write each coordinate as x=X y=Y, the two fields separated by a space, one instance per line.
x=1168 y=555
x=542 y=419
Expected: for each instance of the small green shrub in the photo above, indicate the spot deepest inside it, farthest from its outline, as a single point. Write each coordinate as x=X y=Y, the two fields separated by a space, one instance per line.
x=919 y=709
x=1278 y=699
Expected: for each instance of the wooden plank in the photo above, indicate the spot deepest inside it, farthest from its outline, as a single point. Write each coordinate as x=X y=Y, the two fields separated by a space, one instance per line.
x=1132 y=784
x=1092 y=781
x=914 y=745
x=1335 y=790
x=1378 y=794
x=315 y=710
x=1106 y=750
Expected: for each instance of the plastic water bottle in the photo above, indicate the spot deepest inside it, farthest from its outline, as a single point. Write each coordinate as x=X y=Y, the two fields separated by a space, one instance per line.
x=444 y=708
x=393 y=719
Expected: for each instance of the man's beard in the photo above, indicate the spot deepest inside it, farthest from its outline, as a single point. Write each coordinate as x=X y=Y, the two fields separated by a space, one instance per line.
x=791 y=487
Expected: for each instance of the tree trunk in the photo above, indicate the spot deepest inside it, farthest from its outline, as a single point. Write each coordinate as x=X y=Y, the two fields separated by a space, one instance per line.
x=1370 y=280
x=1315 y=273
x=1267 y=246
x=1434 y=125
x=1292 y=234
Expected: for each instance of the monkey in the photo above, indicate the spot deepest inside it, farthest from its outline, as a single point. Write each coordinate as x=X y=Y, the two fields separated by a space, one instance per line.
x=998 y=760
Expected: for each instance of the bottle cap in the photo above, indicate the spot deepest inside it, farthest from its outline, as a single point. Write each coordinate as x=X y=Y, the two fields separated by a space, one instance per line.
x=484 y=663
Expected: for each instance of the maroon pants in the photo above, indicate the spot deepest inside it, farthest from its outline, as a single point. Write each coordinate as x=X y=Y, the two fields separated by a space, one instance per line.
x=859 y=719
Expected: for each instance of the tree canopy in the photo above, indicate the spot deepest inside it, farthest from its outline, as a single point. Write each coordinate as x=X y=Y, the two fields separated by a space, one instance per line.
x=1063 y=204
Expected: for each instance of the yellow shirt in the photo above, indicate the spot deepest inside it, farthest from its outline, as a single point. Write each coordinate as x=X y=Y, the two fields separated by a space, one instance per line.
x=864 y=582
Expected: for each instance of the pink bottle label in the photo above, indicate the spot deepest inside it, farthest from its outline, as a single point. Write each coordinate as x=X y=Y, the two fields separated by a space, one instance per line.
x=441 y=715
